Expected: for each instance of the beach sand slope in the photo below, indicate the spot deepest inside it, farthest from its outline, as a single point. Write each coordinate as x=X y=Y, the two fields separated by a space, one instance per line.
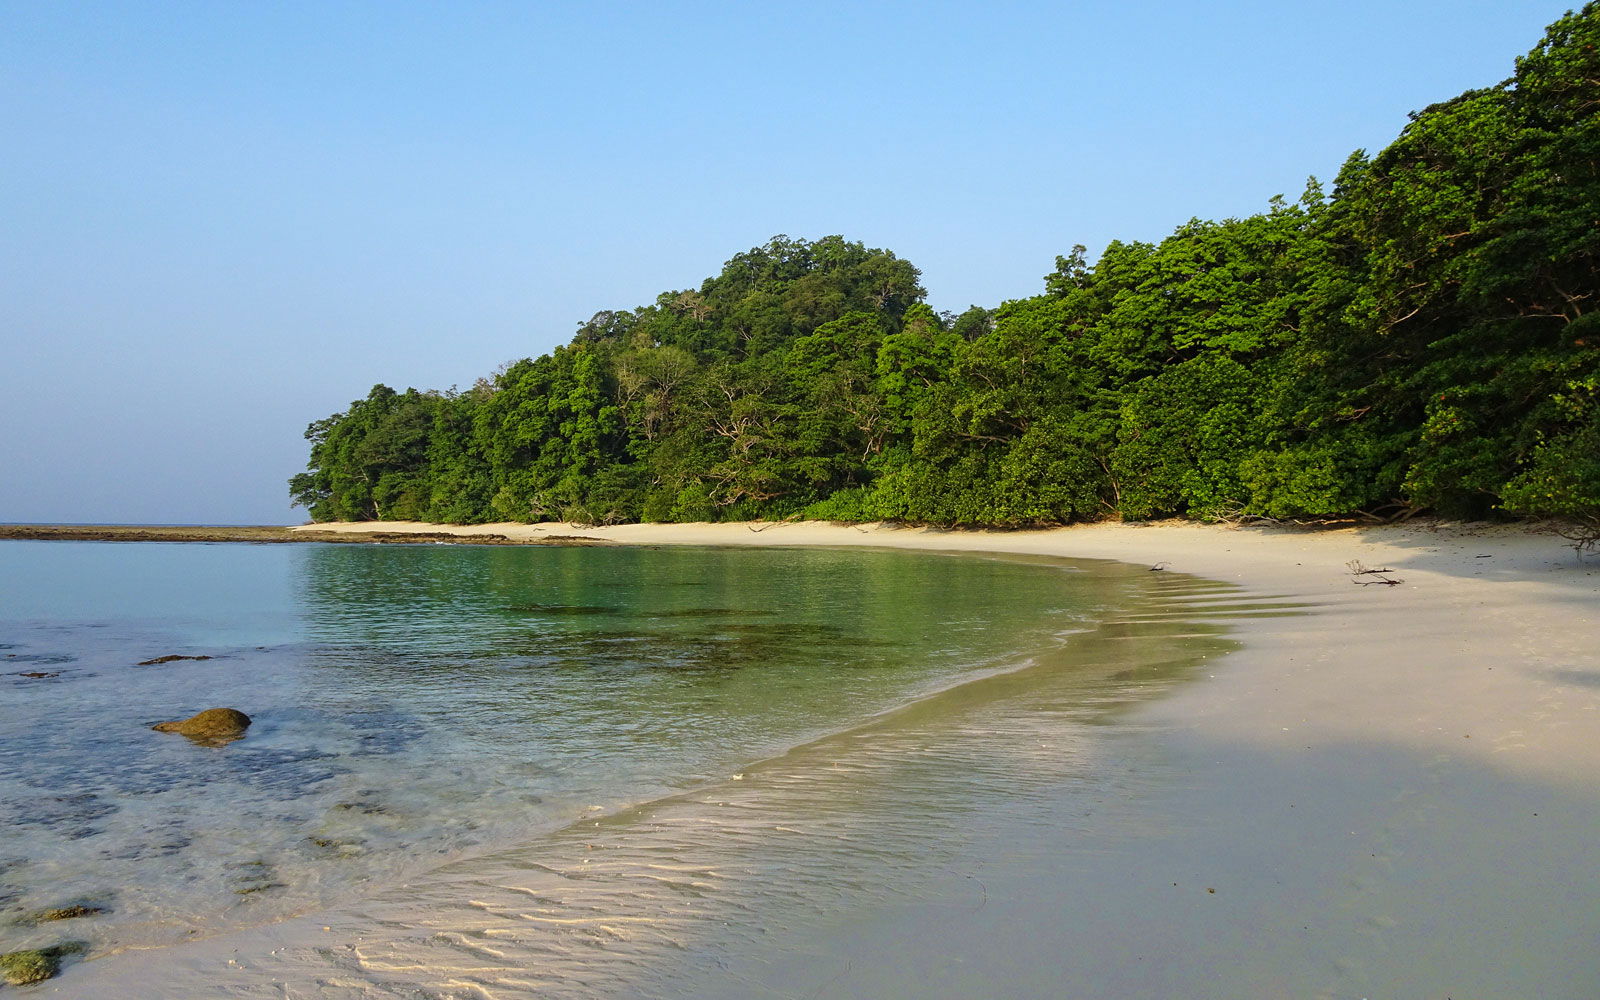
x=1389 y=791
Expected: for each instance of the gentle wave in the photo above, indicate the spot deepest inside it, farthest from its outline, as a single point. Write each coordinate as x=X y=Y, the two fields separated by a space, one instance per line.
x=418 y=706
x=663 y=898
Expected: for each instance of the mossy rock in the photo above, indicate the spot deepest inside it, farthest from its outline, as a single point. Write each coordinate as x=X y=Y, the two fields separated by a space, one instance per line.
x=35 y=965
x=214 y=725
x=72 y=912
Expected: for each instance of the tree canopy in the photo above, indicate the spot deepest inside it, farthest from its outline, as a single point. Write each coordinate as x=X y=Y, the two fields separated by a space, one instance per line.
x=1422 y=336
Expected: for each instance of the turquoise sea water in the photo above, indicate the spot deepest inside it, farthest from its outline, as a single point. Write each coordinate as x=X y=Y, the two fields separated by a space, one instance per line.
x=629 y=772
x=420 y=704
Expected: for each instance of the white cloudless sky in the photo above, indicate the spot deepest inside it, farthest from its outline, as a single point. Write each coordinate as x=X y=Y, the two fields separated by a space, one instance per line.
x=220 y=221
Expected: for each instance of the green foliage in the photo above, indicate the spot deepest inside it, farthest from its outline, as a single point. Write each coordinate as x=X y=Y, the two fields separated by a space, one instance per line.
x=1422 y=336
x=1463 y=260
x=1562 y=477
x=1182 y=437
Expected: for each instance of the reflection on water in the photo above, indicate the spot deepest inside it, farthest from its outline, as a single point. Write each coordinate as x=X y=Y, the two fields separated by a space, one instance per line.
x=416 y=705
x=659 y=899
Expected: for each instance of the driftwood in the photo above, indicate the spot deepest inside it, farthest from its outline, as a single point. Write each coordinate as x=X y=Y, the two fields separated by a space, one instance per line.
x=764 y=525
x=1584 y=535
x=1378 y=577
x=1389 y=513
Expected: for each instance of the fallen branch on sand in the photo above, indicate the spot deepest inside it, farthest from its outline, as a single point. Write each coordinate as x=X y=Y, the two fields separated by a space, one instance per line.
x=1379 y=580
x=764 y=525
x=1583 y=534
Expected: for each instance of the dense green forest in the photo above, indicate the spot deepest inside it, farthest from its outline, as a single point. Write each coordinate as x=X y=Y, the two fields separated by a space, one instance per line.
x=1422 y=336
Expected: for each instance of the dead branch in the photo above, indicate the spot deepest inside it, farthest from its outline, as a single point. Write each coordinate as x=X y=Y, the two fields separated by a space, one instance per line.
x=764 y=525
x=1584 y=535
x=1357 y=569
x=1378 y=579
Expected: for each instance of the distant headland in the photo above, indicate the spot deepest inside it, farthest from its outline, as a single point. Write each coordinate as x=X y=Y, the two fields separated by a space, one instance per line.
x=262 y=534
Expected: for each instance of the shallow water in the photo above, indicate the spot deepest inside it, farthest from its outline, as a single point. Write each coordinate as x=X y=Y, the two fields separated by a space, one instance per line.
x=697 y=893
x=415 y=706
x=1012 y=825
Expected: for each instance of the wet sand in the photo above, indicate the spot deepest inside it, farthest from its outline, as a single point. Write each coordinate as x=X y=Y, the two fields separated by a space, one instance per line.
x=1387 y=791
x=1489 y=636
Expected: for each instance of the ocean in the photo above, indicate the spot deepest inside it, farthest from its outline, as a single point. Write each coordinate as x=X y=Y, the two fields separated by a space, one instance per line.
x=415 y=707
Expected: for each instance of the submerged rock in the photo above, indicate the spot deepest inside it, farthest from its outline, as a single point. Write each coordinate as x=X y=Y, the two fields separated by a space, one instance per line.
x=72 y=912
x=252 y=877
x=212 y=725
x=338 y=847
x=35 y=965
x=72 y=816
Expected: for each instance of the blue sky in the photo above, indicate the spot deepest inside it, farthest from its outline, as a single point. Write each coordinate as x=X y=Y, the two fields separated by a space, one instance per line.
x=225 y=220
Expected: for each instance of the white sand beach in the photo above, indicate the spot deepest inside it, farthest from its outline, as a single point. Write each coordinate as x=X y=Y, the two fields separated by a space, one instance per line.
x=1489 y=638
x=1390 y=792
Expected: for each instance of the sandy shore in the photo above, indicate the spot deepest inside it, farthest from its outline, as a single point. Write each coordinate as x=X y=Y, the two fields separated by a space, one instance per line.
x=1487 y=648
x=1389 y=792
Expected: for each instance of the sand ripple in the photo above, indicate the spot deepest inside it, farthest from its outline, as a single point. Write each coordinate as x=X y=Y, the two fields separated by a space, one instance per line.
x=649 y=900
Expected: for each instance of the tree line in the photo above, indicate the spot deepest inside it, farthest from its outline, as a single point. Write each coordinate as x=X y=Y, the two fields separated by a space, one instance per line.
x=1421 y=336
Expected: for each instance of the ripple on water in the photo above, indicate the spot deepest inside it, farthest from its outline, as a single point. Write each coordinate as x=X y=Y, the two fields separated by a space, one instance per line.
x=416 y=706
x=657 y=899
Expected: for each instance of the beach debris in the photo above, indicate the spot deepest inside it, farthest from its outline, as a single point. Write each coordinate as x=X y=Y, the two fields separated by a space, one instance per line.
x=1158 y=567
x=1378 y=578
x=35 y=965
x=1584 y=534
x=169 y=658
x=761 y=526
x=213 y=726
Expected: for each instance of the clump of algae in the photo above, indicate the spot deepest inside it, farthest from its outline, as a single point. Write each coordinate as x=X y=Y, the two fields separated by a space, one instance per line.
x=35 y=965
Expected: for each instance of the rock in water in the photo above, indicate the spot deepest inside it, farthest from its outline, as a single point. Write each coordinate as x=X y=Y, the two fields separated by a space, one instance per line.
x=217 y=725
x=72 y=912
x=64 y=912
x=35 y=965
